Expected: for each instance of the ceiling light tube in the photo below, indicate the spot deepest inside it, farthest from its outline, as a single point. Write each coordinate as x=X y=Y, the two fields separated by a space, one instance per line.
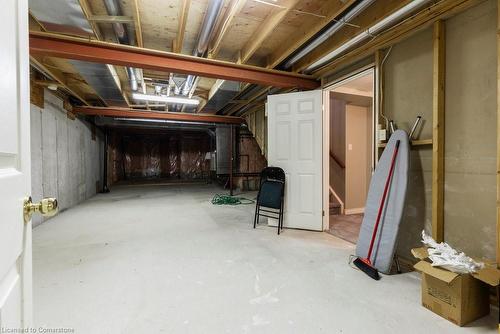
x=166 y=99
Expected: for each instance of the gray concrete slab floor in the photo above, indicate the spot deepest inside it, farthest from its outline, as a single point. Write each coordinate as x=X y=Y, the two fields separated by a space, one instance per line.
x=163 y=259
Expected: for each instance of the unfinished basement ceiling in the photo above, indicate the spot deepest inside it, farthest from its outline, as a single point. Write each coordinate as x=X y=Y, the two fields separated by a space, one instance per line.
x=262 y=33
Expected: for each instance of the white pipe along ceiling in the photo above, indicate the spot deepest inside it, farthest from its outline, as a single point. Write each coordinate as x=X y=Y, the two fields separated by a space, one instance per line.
x=385 y=23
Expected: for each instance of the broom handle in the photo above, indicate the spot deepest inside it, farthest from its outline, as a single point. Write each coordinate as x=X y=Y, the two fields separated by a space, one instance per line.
x=382 y=202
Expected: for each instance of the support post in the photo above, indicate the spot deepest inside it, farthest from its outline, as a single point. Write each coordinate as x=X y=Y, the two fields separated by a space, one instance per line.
x=105 y=188
x=231 y=158
x=498 y=137
x=438 y=128
x=378 y=107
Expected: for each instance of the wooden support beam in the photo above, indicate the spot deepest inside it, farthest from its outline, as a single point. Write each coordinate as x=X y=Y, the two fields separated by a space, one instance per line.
x=137 y=24
x=265 y=29
x=498 y=138
x=438 y=128
x=183 y=16
x=37 y=95
x=88 y=14
x=141 y=114
x=125 y=55
x=111 y=19
x=421 y=20
x=379 y=93
x=59 y=77
x=235 y=8
x=47 y=83
x=331 y=10
x=251 y=99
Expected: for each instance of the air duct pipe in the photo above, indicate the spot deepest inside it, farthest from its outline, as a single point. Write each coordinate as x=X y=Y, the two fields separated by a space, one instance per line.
x=206 y=32
x=121 y=33
x=358 y=9
x=369 y=33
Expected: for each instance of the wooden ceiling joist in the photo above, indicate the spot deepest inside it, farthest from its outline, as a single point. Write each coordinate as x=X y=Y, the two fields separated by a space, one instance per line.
x=235 y=8
x=370 y=16
x=59 y=77
x=109 y=53
x=235 y=108
x=330 y=11
x=183 y=16
x=137 y=24
x=88 y=14
x=265 y=29
x=421 y=20
x=141 y=114
x=111 y=19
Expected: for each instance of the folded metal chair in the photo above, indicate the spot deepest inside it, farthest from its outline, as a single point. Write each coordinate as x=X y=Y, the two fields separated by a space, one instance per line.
x=270 y=199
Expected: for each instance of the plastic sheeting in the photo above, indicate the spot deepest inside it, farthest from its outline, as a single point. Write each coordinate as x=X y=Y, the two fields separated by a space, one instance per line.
x=176 y=155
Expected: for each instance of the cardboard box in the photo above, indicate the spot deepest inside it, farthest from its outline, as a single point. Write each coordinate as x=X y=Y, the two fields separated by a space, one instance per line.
x=460 y=298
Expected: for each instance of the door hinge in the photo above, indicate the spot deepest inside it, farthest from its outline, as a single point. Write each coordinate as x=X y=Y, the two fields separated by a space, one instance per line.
x=323 y=213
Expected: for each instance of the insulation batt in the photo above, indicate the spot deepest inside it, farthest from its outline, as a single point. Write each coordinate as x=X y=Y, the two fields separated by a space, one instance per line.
x=442 y=255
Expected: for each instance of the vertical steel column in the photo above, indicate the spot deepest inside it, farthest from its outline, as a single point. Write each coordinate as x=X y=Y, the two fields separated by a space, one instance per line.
x=231 y=161
x=105 y=188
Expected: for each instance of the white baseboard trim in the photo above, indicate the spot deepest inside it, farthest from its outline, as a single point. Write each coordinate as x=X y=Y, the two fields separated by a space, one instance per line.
x=354 y=211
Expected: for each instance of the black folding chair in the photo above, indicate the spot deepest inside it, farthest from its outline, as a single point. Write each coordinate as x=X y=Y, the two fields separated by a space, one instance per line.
x=271 y=196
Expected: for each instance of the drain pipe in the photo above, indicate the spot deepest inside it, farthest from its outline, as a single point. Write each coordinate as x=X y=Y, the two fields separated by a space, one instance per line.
x=206 y=32
x=369 y=33
x=121 y=33
x=355 y=11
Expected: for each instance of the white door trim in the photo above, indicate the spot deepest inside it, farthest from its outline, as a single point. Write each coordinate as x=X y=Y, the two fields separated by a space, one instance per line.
x=326 y=129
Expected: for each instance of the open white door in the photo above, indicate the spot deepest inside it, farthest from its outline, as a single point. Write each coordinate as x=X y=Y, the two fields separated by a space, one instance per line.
x=15 y=183
x=295 y=144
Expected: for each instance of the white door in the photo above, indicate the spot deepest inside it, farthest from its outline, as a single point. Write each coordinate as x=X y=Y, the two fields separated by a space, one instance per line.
x=15 y=235
x=295 y=139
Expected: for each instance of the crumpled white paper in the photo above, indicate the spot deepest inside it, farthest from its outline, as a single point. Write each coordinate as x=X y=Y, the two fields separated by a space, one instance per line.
x=442 y=255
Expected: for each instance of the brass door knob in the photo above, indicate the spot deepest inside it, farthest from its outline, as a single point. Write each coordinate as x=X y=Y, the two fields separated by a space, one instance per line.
x=46 y=207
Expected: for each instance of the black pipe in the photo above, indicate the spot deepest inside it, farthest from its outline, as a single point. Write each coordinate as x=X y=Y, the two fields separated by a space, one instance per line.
x=105 y=188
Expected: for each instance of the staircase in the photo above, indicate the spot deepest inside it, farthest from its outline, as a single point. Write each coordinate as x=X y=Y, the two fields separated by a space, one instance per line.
x=335 y=207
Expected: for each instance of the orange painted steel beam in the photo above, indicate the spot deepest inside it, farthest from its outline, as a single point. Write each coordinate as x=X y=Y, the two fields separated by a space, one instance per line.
x=137 y=113
x=54 y=45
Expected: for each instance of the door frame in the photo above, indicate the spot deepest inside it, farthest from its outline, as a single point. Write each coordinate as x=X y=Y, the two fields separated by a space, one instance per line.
x=355 y=74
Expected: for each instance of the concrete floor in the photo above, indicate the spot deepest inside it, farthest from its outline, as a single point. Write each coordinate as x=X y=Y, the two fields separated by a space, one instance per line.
x=163 y=259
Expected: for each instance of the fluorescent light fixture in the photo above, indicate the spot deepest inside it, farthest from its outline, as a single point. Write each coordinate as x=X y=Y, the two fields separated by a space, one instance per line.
x=166 y=99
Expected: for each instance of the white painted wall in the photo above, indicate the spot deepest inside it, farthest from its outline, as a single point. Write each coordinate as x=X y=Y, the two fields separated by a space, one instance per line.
x=66 y=162
x=358 y=156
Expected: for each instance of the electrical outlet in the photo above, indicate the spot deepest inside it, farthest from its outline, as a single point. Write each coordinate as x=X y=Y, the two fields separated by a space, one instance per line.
x=382 y=135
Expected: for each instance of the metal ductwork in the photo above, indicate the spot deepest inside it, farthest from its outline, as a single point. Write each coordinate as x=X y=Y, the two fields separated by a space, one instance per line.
x=339 y=24
x=225 y=92
x=61 y=16
x=385 y=23
x=206 y=32
x=103 y=79
x=121 y=32
x=67 y=17
x=139 y=123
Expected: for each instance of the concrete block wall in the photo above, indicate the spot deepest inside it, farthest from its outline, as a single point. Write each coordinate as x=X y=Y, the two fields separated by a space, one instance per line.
x=66 y=162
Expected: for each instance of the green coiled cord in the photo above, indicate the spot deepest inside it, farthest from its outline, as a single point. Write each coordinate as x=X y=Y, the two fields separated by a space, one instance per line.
x=219 y=199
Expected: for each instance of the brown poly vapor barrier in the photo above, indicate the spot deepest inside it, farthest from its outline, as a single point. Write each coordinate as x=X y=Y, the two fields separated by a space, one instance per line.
x=172 y=155
x=251 y=160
